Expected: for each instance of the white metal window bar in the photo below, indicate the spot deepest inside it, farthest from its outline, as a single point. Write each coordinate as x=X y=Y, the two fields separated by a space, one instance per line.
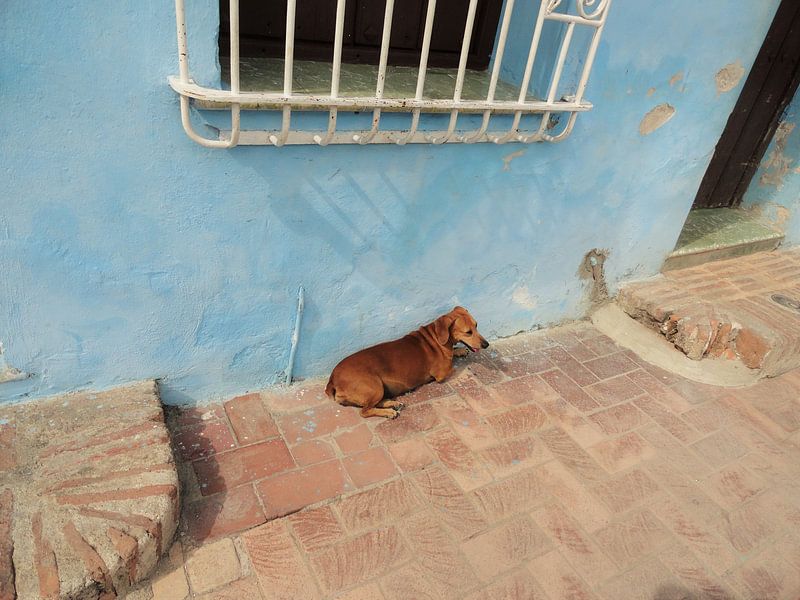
x=588 y=13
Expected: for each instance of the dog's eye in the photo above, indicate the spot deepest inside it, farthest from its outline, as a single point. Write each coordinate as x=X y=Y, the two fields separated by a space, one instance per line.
x=469 y=332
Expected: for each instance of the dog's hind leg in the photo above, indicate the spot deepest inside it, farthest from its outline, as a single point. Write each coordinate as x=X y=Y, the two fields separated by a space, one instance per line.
x=368 y=394
x=391 y=404
x=389 y=413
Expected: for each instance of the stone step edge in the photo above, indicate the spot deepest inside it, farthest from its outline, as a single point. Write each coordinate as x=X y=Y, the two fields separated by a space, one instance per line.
x=714 y=334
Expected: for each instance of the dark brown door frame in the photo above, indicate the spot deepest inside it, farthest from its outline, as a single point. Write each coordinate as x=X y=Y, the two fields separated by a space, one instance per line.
x=769 y=88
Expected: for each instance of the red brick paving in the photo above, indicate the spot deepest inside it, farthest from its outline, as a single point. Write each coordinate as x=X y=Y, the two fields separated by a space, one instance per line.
x=515 y=480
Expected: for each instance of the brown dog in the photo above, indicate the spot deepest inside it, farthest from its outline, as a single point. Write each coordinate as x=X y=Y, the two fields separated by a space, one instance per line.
x=370 y=377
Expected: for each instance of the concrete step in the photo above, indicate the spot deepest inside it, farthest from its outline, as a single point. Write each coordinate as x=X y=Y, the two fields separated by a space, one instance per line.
x=88 y=493
x=745 y=309
x=721 y=233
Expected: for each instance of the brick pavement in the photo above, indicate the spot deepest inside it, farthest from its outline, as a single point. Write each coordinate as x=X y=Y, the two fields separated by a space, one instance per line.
x=556 y=465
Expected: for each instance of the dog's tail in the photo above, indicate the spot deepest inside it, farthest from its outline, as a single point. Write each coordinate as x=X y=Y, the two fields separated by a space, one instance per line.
x=330 y=390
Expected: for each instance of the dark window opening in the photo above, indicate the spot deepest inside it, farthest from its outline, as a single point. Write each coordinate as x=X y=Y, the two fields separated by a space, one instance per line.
x=262 y=26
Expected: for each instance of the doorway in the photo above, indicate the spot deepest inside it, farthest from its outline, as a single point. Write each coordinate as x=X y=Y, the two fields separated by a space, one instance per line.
x=769 y=88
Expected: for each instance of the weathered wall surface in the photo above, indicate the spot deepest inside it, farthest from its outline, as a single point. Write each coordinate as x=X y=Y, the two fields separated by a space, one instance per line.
x=127 y=251
x=775 y=188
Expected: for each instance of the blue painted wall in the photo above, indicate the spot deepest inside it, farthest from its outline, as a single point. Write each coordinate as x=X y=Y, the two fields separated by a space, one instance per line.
x=127 y=251
x=775 y=188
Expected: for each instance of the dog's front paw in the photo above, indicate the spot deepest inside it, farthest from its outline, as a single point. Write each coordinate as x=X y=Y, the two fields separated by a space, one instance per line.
x=394 y=414
x=400 y=406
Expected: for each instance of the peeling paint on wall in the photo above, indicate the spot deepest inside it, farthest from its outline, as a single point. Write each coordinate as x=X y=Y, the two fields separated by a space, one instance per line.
x=651 y=91
x=509 y=157
x=676 y=78
x=778 y=164
x=657 y=117
x=522 y=297
x=728 y=77
x=7 y=372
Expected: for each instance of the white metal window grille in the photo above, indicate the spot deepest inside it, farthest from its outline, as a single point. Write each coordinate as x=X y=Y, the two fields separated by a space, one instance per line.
x=589 y=14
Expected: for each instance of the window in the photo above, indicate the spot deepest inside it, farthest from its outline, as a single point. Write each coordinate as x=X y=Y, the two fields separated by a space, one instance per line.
x=296 y=60
x=262 y=31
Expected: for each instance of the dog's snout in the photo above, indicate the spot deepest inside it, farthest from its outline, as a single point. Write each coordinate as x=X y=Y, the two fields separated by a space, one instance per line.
x=484 y=343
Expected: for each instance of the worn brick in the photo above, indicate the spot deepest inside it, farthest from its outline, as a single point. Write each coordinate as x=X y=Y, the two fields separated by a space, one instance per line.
x=482 y=398
x=212 y=565
x=312 y=452
x=355 y=440
x=747 y=527
x=667 y=419
x=203 y=439
x=515 y=455
x=768 y=576
x=571 y=367
x=622 y=492
x=679 y=455
x=373 y=507
x=695 y=533
x=452 y=506
x=628 y=540
x=568 y=418
x=370 y=466
x=573 y=544
x=466 y=422
x=519 y=585
x=7 y=586
x=44 y=560
x=575 y=458
x=615 y=390
x=281 y=571
x=243 y=589
x=504 y=498
x=369 y=591
x=524 y=364
x=458 y=459
x=558 y=579
x=570 y=391
x=693 y=574
x=316 y=528
x=505 y=546
x=243 y=465
x=719 y=448
x=286 y=493
x=517 y=391
x=439 y=569
x=187 y=417
x=623 y=452
x=733 y=485
x=414 y=419
x=651 y=579
x=618 y=419
x=358 y=559
x=610 y=365
x=232 y=511
x=517 y=421
x=426 y=393
x=249 y=419
x=573 y=496
x=411 y=455
x=316 y=422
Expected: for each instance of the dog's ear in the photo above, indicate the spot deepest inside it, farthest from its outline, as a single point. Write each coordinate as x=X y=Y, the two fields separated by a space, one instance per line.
x=441 y=328
x=460 y=310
